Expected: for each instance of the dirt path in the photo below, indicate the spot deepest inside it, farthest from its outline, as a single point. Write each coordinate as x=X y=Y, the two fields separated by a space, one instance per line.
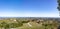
x=29 y=24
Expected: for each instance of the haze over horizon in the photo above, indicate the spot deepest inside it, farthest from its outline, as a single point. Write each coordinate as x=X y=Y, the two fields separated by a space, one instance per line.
x=28 y=8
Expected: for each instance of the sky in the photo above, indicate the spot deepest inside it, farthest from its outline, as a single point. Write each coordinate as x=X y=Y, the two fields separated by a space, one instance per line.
x=28 y=8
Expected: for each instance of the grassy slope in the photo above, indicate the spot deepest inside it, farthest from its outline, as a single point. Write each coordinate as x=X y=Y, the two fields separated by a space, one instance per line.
x=34 y=26
x=26 y=26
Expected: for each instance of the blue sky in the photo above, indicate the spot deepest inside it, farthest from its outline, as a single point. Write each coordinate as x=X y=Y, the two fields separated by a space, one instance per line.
x=28 y=8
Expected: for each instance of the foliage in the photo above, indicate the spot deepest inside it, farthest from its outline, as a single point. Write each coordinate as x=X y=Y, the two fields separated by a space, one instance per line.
x=58 y=5
x=23 y=24
x=9 y=25
x=14 y=25
x=25 y=21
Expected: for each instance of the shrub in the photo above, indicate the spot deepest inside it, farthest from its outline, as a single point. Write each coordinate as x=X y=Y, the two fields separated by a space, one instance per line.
x=14 y=25
x=25 y=21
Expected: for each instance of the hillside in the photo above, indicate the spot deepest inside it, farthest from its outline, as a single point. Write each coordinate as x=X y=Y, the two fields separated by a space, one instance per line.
x=28 y=23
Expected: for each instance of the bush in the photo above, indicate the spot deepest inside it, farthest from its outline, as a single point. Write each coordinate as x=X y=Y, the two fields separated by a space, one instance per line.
x=25 y=21
x=14 y=25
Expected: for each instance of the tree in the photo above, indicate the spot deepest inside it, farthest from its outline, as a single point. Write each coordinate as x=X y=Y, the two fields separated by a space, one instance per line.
x=3 y=24
x=58 y=6
x=58 y=27
x=25 y=21
x=14 y=25
x=7 y=26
